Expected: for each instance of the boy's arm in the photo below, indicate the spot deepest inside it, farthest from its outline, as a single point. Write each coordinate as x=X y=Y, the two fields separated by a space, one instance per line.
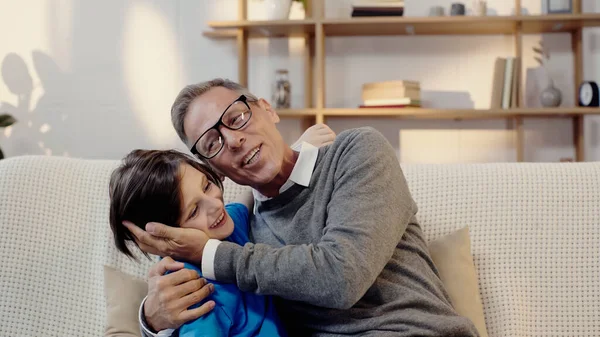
x=317 y=135
x=216 y=323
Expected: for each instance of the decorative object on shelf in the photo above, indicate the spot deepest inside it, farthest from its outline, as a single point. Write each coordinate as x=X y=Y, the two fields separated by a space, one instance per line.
x=6 y=121
x=557 y=6
x=297 y=10
x=551 y=96
x=589 y=95
x=277 y=9
x=480 y=7
x=436 y=11
x=282 y=90
x=377 y=8
x=457 y=9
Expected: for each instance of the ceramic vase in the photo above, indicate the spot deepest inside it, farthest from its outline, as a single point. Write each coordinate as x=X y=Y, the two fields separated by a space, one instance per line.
x=551 y=96
x=277 y=9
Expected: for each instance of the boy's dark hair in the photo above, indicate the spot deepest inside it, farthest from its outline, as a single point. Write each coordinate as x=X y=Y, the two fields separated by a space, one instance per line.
x=145 y=188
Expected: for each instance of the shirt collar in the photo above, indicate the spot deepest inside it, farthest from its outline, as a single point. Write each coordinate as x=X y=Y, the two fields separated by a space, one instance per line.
x=302 y=171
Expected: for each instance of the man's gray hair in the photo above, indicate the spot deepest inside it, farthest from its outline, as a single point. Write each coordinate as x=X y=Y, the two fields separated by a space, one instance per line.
x=180 y=107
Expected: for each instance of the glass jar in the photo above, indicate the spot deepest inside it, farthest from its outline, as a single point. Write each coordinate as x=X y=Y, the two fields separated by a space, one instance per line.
x=282 y=90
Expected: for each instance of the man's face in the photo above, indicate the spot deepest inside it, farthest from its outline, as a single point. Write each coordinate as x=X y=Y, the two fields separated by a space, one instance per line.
x=252 y=155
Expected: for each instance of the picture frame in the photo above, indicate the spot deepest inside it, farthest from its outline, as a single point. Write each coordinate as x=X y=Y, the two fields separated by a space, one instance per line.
x=557 y=6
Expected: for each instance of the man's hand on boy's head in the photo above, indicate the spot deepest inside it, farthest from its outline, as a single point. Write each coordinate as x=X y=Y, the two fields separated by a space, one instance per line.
x=184 y=244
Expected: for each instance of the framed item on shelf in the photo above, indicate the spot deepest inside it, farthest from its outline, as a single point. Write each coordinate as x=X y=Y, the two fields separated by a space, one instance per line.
x=558 y=6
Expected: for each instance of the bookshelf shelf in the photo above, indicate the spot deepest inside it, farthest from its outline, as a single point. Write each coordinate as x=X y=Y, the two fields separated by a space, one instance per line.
x=558 y=23
x=316 y=28
x=385 y=26
x=279 y=28
x=441 y=114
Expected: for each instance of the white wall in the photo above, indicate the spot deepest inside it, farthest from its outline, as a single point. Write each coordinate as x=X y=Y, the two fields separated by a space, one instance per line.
x=96 y=79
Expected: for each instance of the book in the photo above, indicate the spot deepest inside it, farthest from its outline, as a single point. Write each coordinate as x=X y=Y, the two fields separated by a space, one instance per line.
x=498 y=83
x=371 y=12
x=398 y=106
x=507 y=89
x=514 y=94
x=394 y=83
x=391 y=92
x=377 y=4
x=392 y=101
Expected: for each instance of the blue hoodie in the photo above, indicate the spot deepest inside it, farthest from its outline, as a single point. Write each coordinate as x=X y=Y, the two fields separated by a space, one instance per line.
x=236 y=313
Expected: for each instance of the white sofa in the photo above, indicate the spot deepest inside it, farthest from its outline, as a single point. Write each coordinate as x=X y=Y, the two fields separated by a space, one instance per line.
x=535 y=231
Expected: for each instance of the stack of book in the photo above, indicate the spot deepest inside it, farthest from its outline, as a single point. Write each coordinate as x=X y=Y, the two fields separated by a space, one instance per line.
x=377 y=8
x=505 y=83
x=391 y=94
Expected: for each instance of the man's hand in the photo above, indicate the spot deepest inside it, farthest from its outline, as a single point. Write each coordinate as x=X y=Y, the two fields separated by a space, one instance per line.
x=185 y=244
x=317 y=135
x=170 y=296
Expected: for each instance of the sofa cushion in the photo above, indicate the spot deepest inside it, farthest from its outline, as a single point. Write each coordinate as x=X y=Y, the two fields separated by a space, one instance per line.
x=124 y=295
x=451 y=255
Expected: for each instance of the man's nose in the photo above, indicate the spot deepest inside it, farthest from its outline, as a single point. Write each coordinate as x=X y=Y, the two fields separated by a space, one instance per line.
x=234 y=139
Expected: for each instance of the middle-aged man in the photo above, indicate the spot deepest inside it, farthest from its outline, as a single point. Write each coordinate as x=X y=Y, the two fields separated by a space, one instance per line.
x=335 y=232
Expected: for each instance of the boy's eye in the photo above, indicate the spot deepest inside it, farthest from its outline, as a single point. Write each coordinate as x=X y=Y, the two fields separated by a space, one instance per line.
x=193 y=214
x=207 y=187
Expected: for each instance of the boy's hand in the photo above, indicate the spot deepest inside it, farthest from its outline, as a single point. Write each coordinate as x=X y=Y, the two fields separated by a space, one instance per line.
x=317 y=135
x=184 y=244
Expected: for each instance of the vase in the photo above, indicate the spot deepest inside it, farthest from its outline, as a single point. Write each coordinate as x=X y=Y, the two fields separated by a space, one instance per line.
x=277 y=9
x=282 y=90
x=551 y=96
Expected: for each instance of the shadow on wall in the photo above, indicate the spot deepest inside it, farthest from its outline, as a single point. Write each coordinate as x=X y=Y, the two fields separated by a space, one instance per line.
x=99 y=90
x=41 y=129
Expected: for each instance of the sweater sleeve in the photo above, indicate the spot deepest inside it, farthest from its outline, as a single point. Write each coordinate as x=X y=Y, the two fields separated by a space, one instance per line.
x=367 y=214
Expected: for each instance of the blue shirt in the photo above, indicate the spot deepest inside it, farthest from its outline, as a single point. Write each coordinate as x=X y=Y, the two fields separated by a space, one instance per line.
x=236 y=313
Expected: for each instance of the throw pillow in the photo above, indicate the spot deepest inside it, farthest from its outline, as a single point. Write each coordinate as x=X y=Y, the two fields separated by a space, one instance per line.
x=451 y=255
x=124 y=295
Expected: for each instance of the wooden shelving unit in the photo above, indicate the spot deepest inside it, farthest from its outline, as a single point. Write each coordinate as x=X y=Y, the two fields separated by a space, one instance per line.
x=316 y=28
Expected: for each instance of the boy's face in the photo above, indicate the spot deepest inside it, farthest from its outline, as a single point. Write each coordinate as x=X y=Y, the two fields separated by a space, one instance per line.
x=202 y=204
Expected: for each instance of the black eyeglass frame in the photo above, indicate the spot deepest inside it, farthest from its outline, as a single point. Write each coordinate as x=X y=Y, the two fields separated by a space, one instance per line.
x=242 y=99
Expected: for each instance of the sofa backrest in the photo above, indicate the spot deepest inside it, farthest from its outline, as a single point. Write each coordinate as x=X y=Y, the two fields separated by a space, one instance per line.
x=534 y=228
x=54 y=241
x=535 y=232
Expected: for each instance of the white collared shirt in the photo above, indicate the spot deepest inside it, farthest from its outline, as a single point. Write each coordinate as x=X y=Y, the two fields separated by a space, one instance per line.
x=301 y=175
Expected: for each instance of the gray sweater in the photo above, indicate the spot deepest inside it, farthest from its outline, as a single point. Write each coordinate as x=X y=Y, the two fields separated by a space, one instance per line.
x=345 y=255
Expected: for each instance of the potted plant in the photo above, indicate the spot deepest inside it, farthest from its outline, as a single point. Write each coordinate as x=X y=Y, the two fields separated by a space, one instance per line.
x=5 y=121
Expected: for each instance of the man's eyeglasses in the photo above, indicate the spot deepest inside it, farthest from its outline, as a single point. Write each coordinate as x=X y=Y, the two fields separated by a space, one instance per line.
x=235 y=116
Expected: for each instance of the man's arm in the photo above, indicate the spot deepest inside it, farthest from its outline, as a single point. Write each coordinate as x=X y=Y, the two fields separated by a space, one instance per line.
x=368 y=213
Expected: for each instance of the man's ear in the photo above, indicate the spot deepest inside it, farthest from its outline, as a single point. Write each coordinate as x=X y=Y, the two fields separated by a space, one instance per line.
x=269 y=109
